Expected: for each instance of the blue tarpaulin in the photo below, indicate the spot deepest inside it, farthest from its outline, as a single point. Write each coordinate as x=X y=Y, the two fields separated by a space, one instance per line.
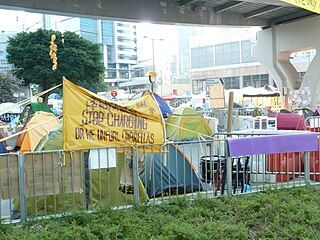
x=164 y=107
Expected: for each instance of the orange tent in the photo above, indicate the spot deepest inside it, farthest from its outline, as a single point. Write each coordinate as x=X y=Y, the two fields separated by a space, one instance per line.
x=37 y=127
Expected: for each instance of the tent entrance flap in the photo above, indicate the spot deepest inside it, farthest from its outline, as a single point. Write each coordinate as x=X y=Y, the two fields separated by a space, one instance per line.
x=176 y=175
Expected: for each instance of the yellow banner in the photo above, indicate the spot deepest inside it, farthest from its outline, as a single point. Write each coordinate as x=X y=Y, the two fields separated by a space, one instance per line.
x=311 y=5
x=90 y=121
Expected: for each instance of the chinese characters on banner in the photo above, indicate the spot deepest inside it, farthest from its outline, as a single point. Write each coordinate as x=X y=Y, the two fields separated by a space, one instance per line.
x=90 y=121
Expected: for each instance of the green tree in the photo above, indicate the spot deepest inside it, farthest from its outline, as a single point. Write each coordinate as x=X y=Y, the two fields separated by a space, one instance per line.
x=79 y=60
x=8 y=85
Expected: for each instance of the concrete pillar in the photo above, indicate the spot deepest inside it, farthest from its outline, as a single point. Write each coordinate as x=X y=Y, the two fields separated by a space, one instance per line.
x=273 y=50
x=311 y=79
x=117 y=70
x=241 y=81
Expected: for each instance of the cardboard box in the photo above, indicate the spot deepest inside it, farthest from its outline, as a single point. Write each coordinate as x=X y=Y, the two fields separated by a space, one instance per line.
x=217 y=98
x=45 y=174
x=71 y=173
x=42 y=174
x=9 y=177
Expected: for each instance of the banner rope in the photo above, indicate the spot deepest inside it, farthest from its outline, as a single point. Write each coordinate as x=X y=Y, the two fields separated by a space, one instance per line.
x=26 y=130
x=28 y=100
x=198 y=134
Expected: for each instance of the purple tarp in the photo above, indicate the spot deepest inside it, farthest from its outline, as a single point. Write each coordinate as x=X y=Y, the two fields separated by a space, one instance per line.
x=297 y=142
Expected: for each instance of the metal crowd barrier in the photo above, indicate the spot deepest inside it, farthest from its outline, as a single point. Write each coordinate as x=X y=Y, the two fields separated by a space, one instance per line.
x=54 y=183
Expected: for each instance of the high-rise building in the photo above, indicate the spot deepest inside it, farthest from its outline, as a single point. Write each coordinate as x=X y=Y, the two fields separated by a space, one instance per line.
x=122 y=48
x=184 y=35
x=4 y=65
x=118 y=42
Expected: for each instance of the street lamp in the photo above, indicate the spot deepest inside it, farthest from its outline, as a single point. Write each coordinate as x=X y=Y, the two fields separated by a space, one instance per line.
x=152 y=41
x=152 y=75
x=152 y=78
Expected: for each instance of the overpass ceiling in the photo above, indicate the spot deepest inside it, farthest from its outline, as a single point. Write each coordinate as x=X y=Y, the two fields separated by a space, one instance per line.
x=262 y=13
x=274 y=12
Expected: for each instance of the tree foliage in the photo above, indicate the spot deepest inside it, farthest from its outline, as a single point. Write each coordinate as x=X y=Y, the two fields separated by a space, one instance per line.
x=8 y=85
x=79 y=60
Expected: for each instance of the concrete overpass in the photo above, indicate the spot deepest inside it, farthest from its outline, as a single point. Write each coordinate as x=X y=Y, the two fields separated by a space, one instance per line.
x=262 y=13
x=273 y=50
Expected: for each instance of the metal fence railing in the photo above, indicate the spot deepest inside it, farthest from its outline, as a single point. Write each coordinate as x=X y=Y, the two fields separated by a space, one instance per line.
x=54 y=183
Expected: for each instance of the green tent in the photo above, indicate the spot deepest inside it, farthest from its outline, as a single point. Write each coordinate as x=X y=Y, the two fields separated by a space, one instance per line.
x=52 y=141
x=99 y=188
x=187 y=123
x=103 y=186
x=38 y=106
x=31 y=109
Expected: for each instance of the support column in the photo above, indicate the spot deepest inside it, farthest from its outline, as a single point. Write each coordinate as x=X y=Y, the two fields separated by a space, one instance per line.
x=286 y=39
x=312 y=80
x=266 y=53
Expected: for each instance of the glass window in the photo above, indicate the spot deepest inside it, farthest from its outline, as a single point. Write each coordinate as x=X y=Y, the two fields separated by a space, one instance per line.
x=256 y=80
x=232 y=82
x=123 y=66
x=89 y=29
x=246 y=52
x=227 y=53
x=127 y=57
x=202 y=57
x=198 y=86
x=126 y=48
x=124 y=39
x=107 y=32
x=124 y=74
x=111 y=73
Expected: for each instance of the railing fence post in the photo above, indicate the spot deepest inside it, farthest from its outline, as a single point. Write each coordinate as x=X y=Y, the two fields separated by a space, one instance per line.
x=22 y=188
x=228 y=169
x=307 y=168
x=135 y=176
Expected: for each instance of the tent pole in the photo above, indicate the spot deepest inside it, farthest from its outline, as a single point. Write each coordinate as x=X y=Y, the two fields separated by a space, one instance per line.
x=135 y=176
x=230 y=113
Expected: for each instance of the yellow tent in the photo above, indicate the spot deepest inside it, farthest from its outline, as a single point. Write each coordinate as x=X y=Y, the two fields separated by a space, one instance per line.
x=37 y=127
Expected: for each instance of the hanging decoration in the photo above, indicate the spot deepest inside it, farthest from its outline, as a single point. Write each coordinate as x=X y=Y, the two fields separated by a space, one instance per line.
x=53 y=52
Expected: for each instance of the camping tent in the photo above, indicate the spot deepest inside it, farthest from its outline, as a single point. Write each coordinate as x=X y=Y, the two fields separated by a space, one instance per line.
x=31 y=109
x=164 y=107
x=89 y=188
x=37 y=127
x=187 y=123
x=109 y=178
x=170 y=97
x=176 y=176
x=52 y=141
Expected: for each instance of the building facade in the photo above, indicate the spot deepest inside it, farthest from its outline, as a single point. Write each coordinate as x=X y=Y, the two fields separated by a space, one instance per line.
x=4 y=65
x=232 y=62
x=185 y=33
x=117 y=40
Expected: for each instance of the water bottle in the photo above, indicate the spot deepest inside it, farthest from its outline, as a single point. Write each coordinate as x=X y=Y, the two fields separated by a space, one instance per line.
x=247 y=188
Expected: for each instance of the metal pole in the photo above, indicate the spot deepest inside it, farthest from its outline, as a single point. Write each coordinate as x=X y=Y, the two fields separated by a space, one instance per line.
x=44 y=21
x=153 y=64
x=228 y=158
x=135 y=176
x=154 y=68
x=229 y=171
x=230 y=113
x=22 y=190
x=307 y=168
